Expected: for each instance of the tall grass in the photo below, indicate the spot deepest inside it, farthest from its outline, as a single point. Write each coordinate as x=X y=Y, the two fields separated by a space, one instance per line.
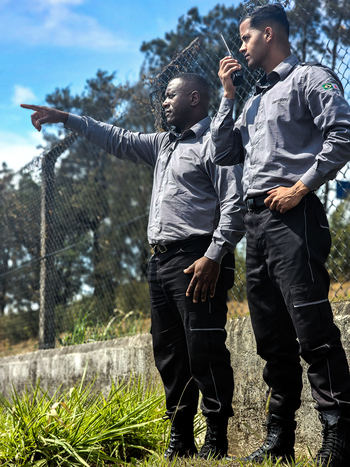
x=120 y=325
x=81 y=427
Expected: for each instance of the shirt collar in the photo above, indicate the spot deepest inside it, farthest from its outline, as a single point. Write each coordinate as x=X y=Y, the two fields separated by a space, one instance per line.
x=279 y=73
x=198 y=129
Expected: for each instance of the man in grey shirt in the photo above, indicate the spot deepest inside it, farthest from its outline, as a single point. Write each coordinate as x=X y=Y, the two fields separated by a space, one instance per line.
x=195 y=222
x=292 y=135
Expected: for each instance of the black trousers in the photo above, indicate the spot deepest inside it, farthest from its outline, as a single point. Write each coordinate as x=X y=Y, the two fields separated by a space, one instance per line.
x=287 y=287
x=189 y=338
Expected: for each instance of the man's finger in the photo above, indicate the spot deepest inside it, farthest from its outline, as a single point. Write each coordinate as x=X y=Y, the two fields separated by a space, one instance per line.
x=35 y=118
x=190 y=288
x=196 y=293
x=44 y=119
x=212 y=289
x=204 y=292
x=189 y=269
x=30 y=107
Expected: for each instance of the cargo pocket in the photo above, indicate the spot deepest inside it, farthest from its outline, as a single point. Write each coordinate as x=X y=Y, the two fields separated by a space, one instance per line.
x=307 y=294
x=205 y=321
x=207 y=340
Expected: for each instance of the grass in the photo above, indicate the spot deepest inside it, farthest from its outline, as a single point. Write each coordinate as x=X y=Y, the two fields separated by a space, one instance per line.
x=80 y=427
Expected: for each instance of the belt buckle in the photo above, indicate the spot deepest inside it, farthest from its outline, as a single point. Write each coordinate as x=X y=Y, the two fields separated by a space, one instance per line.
x=250 y=204
x=159 y=248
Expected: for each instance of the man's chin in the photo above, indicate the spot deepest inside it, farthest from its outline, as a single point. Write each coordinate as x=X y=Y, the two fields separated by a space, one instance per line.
x=251 y=66
x=171 y=121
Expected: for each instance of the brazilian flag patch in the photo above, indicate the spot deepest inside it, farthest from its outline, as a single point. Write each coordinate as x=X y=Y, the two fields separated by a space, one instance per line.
x=328 y=86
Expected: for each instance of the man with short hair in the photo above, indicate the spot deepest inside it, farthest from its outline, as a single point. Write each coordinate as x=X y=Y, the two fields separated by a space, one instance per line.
x=293 y=135
x=195 y=222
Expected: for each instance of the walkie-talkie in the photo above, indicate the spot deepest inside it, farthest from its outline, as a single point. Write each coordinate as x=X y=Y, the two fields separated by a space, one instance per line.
x=237 y=77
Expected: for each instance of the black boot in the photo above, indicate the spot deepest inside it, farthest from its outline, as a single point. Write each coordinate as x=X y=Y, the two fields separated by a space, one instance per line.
x=181 y=438
x=335 y=450
x=215 y=444
x=279 y=442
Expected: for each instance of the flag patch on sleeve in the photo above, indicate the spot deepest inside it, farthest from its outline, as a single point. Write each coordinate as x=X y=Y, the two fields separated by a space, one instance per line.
x=328 y=86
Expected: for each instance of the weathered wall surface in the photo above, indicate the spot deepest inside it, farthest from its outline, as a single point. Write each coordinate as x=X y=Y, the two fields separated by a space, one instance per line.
x=246 y=430
x=118 y=358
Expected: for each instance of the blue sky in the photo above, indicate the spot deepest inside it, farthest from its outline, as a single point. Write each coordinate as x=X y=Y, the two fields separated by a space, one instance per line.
x=49 y=44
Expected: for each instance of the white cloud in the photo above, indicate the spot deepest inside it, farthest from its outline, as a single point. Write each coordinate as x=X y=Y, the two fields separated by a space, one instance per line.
x=55 y=23
x=23 y=95
x=18 y=150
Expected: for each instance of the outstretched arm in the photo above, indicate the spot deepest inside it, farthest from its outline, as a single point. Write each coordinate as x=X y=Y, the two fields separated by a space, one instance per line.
x=44 y=114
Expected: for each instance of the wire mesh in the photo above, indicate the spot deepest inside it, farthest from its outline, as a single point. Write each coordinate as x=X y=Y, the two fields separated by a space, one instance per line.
x=74 y=252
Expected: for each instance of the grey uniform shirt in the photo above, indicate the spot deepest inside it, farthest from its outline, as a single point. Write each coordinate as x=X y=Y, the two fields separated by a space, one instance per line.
x=296 y=127
x=191 y=195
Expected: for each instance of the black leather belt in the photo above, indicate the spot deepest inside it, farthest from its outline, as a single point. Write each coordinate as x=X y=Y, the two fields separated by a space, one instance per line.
x=161 y=248
x=256 y=202
x=157 y=248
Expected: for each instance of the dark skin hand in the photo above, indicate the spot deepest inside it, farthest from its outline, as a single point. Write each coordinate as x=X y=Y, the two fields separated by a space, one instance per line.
x=205 y=275
x=44 y=114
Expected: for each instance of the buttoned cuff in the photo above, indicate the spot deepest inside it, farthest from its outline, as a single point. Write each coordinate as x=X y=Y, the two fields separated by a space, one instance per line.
x=222 y=119
x=215 y=253
x=312 y=179
x=73 y=123
x=226 y=105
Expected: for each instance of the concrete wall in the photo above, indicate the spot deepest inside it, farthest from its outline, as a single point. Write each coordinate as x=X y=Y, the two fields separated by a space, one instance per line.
x=112 y=359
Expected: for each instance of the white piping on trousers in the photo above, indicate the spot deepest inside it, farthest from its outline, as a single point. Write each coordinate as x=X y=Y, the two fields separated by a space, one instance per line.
x=216 y=392
x=330 y=379
x=308 y=251
x=311 y=303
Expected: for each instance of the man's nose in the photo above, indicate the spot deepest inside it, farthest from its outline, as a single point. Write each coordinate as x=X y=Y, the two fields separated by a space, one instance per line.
x=242 y=48
x=165 y=102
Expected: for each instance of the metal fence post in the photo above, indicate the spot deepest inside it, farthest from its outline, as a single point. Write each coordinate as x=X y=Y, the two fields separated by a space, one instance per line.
x=47 y=267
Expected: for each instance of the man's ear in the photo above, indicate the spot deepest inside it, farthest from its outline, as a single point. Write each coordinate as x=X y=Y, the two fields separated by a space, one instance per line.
x=268 y=33
x=195 y=98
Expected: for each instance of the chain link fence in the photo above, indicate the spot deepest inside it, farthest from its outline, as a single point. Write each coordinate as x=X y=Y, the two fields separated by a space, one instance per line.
x=73 y=249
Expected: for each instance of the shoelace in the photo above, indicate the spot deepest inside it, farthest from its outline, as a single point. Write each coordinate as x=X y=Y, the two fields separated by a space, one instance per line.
x=331 y=445
x=210 y=440
x=272 y=432
x=174 y=437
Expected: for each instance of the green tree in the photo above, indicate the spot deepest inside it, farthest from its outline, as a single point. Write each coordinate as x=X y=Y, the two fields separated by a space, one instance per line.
x=305 y=25
x=6 y=242
x=97 y=195
x=208 y=28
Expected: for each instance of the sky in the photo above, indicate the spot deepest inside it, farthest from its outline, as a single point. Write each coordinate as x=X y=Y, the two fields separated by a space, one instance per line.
x=49 y=44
